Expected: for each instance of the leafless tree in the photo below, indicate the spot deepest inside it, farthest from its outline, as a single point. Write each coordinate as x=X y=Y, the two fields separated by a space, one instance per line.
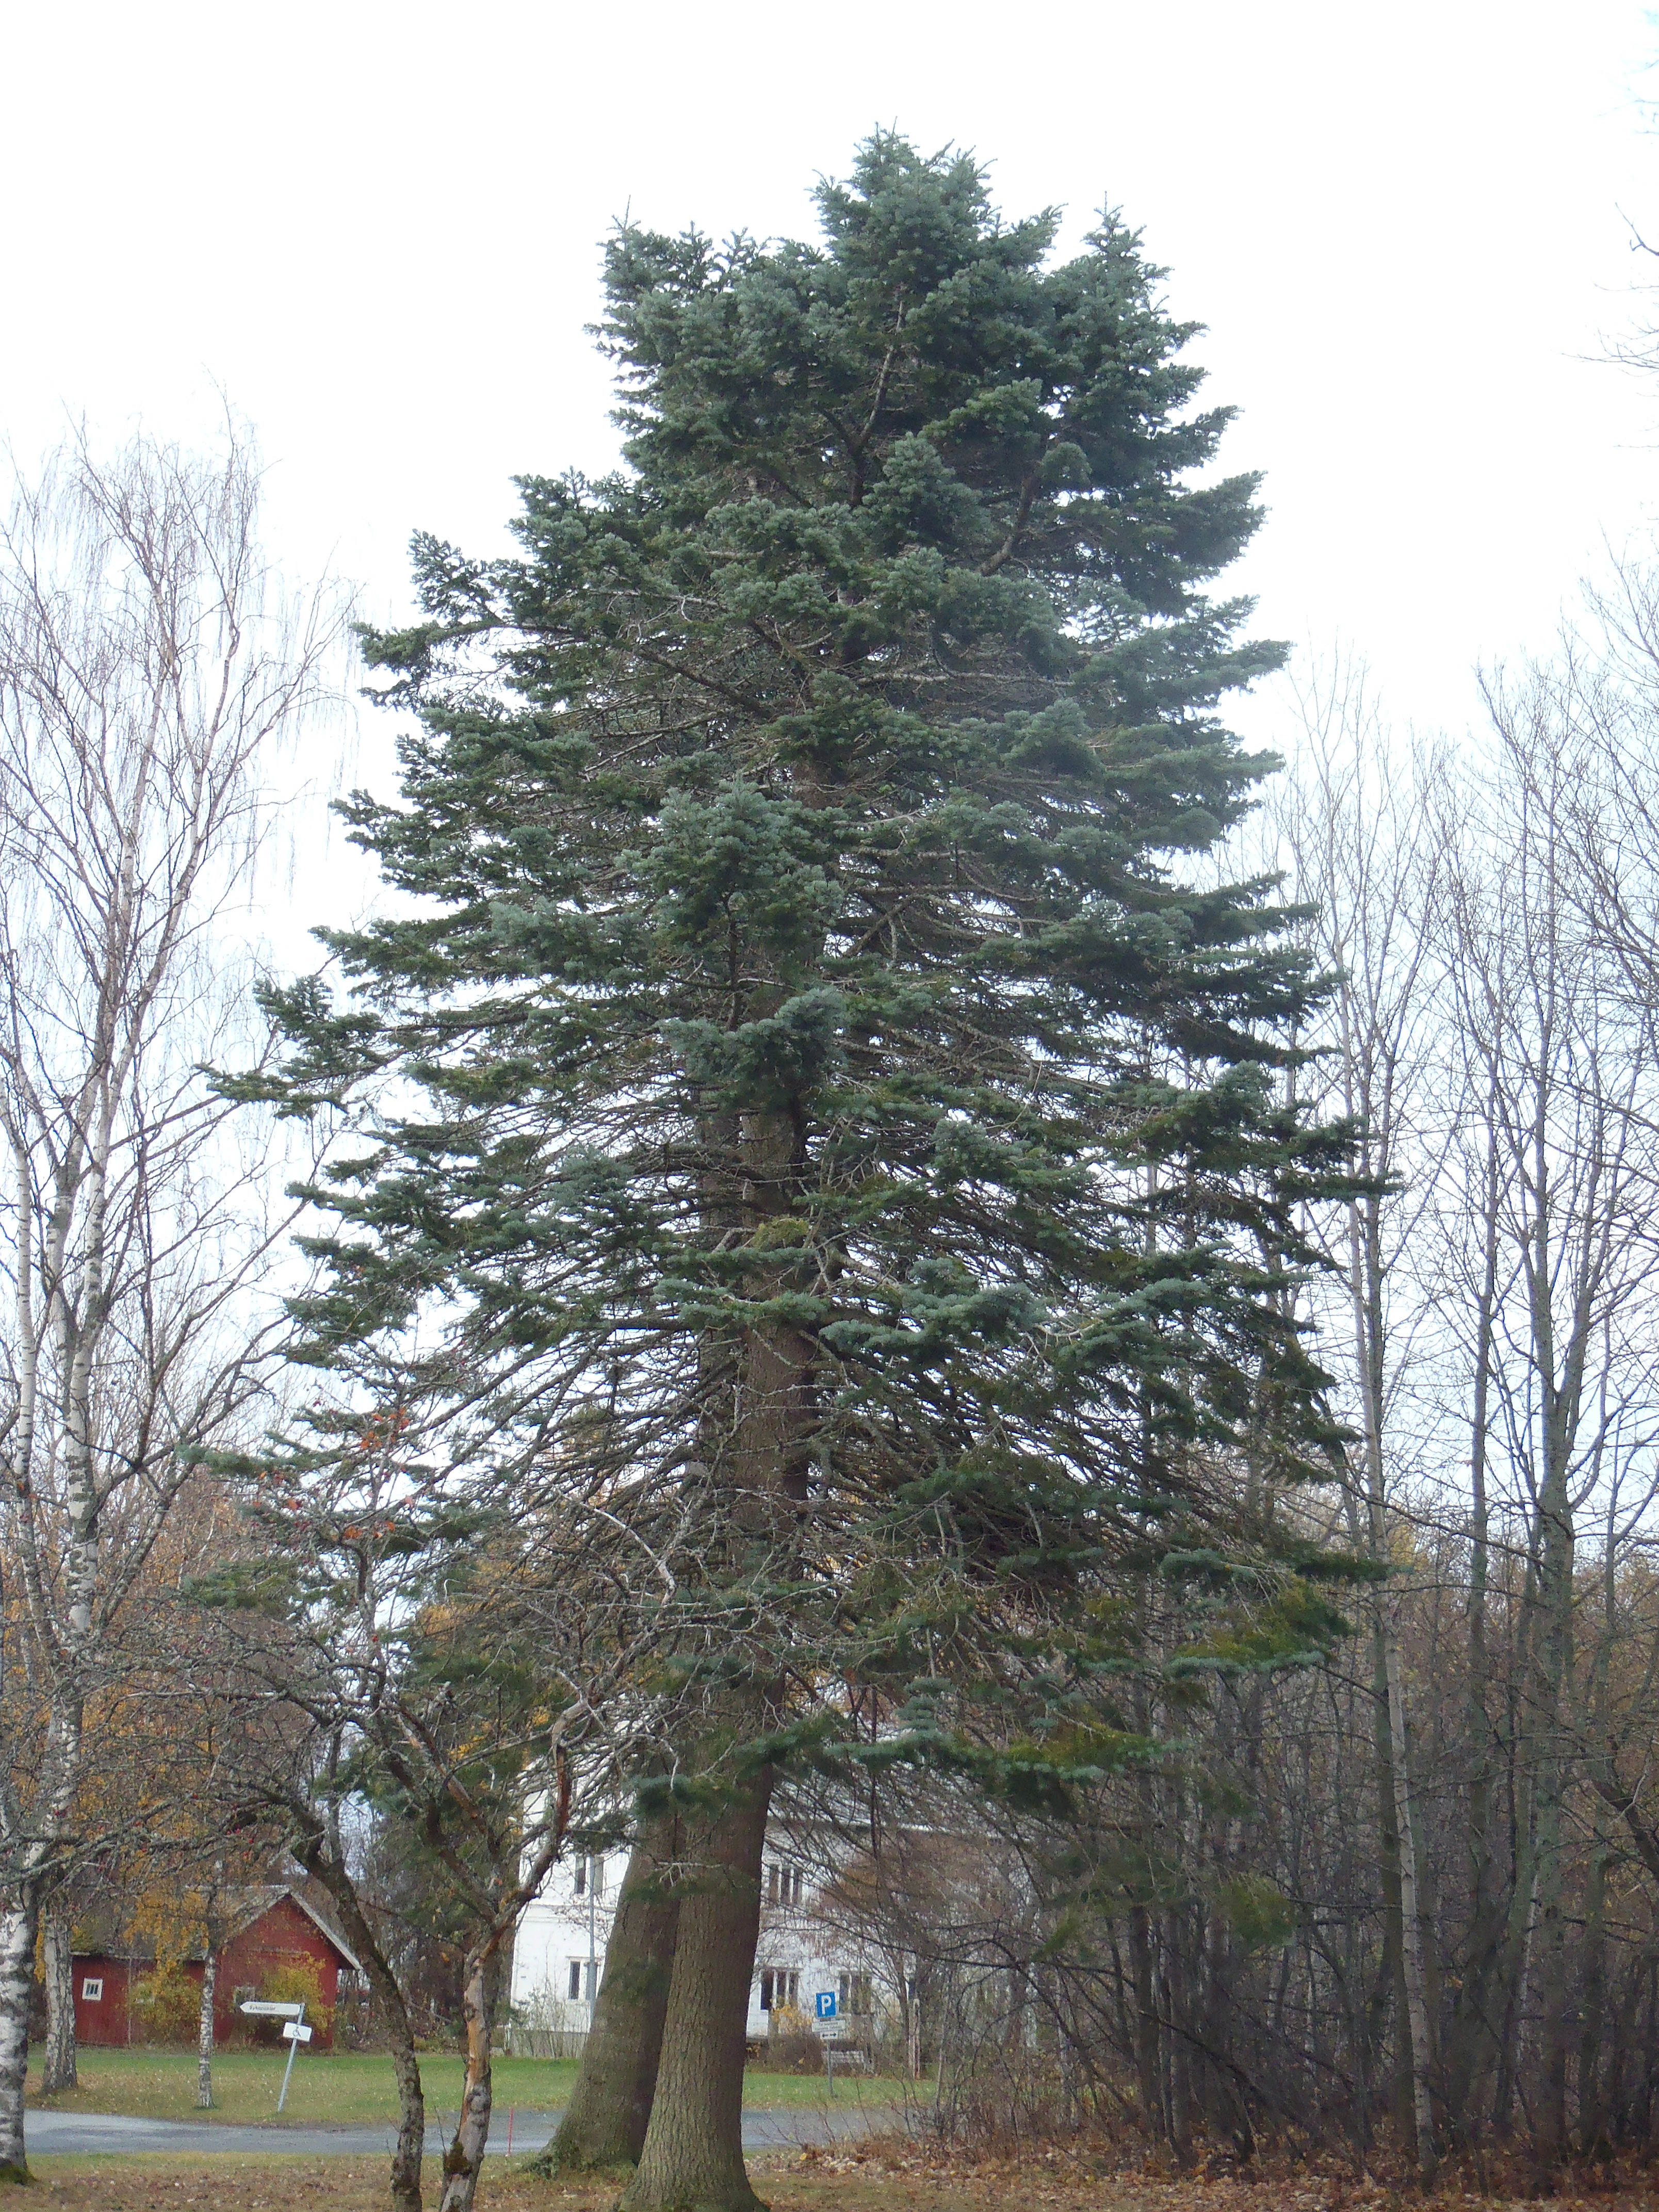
x=1437 y=1924
x=1363 y=829
x=466 y=1658
x=149 y=671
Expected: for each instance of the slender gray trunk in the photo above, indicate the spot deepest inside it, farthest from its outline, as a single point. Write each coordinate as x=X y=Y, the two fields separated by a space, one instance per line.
x=1401 y=1872
x=1411 y=1920
x=1549 y=1842
x=480 y=1997
x=1473 y=2049
x=1592 y=2109
x=408 y=2150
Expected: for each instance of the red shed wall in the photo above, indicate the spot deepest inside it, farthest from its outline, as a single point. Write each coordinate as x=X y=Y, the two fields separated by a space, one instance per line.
x=105 y=2021
x=284 y=1936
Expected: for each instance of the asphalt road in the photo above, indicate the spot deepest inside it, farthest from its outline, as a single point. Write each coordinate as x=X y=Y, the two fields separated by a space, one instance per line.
x=50 y=2132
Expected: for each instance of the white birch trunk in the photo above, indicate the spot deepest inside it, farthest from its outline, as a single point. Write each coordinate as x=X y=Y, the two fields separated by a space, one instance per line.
x=18 y=1921
x=58 y=2070
x=204 y=2033
x=144 y=681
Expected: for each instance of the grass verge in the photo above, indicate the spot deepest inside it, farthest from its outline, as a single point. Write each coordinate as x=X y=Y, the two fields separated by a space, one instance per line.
x=355 y=2088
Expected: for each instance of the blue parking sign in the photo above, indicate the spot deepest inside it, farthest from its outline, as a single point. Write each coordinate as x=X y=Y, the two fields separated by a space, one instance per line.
x=825 y=2002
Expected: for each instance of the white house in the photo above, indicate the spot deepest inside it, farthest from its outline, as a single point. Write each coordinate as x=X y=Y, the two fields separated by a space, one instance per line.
x=558 y=1961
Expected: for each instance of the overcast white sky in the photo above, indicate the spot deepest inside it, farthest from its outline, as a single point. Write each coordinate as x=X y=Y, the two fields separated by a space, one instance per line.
x=377 y=227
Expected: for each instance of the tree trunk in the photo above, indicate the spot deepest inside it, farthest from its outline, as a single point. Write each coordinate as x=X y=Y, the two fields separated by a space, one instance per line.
x=205 y=2033
x=1550 y=1953
x=58 y=2069
x=610 y=2108
x=406 y=2177
x=482 y=1993
x=1402 y=1917
x=1593 y=2141
x=1553 y=1654
x=1411 y=1919
x=1148 y=2077
x=1471 y=2049
x=18 y=1921
x=757 y=1469
x=692 y=2157
x=1389 y=1846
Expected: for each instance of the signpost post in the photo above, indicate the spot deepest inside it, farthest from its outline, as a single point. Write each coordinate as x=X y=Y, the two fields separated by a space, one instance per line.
x=295 y=2031
x=823 y=2004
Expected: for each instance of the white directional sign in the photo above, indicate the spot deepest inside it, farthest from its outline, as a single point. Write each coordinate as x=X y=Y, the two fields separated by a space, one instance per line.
x=263 y=2008
x=294 y=2033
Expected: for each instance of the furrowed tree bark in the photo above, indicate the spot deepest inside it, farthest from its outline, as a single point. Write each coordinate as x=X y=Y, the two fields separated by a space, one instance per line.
x=610 y=2108
x=58 y=2069
x=692 y=2157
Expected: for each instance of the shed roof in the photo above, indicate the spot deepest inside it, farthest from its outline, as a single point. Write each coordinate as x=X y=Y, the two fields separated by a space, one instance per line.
x=100 y=1940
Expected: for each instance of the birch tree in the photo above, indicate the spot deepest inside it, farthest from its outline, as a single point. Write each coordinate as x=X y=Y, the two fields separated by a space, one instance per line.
x=148 y=672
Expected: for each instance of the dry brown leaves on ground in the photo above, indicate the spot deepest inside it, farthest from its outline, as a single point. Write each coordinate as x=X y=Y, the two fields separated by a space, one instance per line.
x=883 y=2177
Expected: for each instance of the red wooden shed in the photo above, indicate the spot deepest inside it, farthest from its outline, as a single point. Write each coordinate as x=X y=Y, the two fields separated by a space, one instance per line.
x=274 y=1927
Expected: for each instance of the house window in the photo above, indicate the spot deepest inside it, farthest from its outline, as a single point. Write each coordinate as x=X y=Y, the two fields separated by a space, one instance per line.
x=582 y=1970
x=589 y=1870
x=766 y=1981
x=92 y=1990
x=783 y=1884
x=779 y=1987
x=791 y=1989
x=853 y=1993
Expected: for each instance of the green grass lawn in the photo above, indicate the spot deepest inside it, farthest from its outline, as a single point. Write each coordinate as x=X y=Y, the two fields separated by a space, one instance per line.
x=346 y=2088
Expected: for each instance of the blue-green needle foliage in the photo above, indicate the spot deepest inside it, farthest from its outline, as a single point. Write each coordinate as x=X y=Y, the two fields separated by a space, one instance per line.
x=849 y=1119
